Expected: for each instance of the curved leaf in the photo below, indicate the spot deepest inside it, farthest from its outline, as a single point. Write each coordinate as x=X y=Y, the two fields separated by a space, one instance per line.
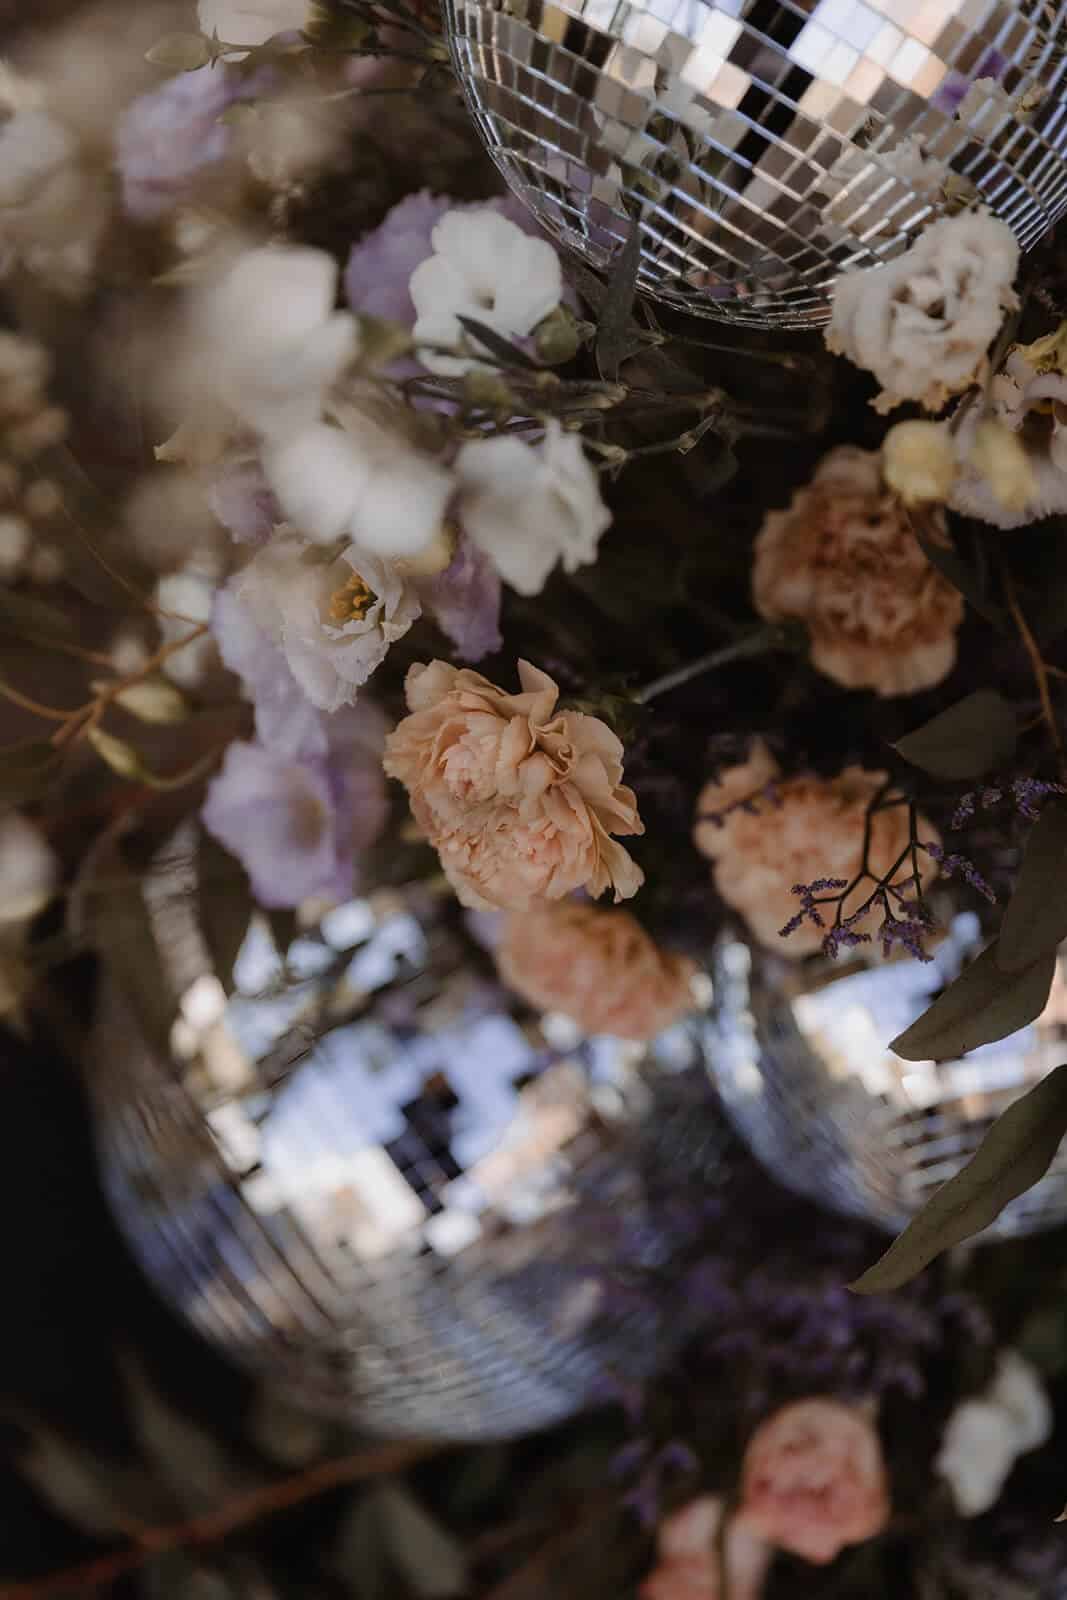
x=971 y=737
x=1016 y=1152
x=984 y=1003
x=1036 y=916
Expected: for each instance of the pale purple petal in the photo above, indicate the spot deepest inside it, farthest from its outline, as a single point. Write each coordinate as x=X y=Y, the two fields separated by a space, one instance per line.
x=954 y=85
x=241 y=498
x=279 y=818
x=465 y=602
x=286 y=721
x=168 y=135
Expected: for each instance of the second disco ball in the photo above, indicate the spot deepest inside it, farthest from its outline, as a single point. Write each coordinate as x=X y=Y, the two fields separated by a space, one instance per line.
x=766 y=144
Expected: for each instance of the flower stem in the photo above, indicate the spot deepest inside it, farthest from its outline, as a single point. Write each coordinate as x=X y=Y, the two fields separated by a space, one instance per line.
x=760 y=642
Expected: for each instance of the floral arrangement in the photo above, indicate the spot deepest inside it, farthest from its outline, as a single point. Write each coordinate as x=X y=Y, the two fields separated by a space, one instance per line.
x=348 y=521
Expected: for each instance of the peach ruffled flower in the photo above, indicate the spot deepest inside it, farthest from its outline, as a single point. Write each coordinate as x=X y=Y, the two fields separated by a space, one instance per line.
x=688 y=1567
x=598 y=967
x=814 y=1481
x=808 y=828
x=844 y=560
x=520 y=800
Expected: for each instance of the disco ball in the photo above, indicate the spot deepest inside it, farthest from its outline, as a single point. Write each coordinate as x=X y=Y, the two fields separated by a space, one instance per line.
x=800 y=1057
x=361 y=1177
x=766 y=145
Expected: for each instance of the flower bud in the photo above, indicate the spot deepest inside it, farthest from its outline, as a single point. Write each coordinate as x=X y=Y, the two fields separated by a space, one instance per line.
x=558 y=338
x=918 y=462
x=121 y=757
x=999 y=455
x=153 y=700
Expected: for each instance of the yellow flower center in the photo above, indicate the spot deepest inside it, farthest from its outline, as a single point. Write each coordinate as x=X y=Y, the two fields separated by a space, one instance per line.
x=352 y=601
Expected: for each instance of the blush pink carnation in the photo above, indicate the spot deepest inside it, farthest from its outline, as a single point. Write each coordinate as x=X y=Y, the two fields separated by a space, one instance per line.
x=688 y=1567
x=808 y=828
x=814 y=1481
x=520 y=800
x=844 y=560
x=599 y=968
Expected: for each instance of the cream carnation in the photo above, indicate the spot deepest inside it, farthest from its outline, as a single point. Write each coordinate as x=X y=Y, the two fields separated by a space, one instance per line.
x=810 y=828
x=688 y=1567
x=600 y=968
x=844 y=560
x=922 y=323
x=520 y=800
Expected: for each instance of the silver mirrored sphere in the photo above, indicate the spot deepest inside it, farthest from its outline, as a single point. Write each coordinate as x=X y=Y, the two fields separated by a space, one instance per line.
x=362 y=1177
x=766 y=145
x=799 y=1054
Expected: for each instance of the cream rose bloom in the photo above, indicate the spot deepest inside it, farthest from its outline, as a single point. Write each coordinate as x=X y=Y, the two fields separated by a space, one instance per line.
x=812 y=828
x=814 y=1480
x=600 y=968
x=520 y=800
x=923 y=322
x=843 y=558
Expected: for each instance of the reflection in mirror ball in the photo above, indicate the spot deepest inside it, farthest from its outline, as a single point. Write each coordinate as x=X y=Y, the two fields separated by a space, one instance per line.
x=767 y=144
x=800 y=1058
x=362 y=1177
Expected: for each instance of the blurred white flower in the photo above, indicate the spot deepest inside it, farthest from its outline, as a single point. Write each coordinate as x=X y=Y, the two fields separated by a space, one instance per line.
x=361 y=481
x=33 y=145
x=530 y=506
x=486 y=268
x=333 y=620
x=270 y=340
x=984 y=107
x=252 y=22
x=1032 y=404
x=998 y=455
x=189 y=593
x=923 y=322
x=29 y=871
x=984 y=1437
x=919 y=461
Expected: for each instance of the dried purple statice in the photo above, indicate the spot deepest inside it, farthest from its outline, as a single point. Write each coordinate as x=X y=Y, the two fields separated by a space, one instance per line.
x=957 y=866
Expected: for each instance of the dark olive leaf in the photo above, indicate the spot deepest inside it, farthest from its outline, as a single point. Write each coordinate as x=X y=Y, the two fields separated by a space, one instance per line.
x=226 y=905
x=615 y=331
x=1014 y=1155
x=109 y=911
x=975 y=735
x=964 y=577
x=26 y=770
x=984 y=1004
x=1036 y=916
x=508 y=353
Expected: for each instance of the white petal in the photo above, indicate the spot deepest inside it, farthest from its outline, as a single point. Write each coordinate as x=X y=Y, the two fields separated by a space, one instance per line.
x=318 y=477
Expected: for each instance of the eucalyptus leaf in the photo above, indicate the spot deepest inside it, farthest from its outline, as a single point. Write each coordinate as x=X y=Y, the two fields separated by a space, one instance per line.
x=964 y=577
x=225 y=904
x=984 y=1004
x=615 y=332
x=180 y=52
x=1014 y=1155
x=26 y=770
x=975 y=735
x=1035 y=920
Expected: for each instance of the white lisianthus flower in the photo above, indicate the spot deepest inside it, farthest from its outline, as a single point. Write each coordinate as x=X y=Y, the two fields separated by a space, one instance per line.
x=189 y=594
x=923 y=322
x=984 y=1437
x=29 y=871
x=1033 y=406
x=528 y=507
x=361 y=481
x=333 y=620
x=271 y=338
x=487 y=268
x=252 y=22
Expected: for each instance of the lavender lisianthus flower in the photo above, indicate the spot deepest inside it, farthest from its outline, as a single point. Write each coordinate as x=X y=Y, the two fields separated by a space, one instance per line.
x=169 y=134
x=241 y=498
x=464 y=600
x=286 y=721
x=298 y=825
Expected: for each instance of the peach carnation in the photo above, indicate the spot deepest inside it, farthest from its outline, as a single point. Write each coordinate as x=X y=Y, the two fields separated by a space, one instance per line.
x=843 y=559
x=814 y=1481
x=688 y=1567
x=598 y=967
x=520 y=800
x=809 y=828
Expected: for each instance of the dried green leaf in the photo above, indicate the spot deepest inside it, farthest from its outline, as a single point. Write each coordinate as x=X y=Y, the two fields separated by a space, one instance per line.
x=975 y=735
x=985 y=1003
x=615 y=329
x=26 y=770
x=504 y=351
x=225 y=903
x=180 y=52
x=1014 y=1155
x=1035 y=920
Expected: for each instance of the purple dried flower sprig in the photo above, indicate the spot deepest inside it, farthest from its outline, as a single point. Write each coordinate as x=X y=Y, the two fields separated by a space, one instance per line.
x=767 y=794
x=1026 y=794
x=958 y=866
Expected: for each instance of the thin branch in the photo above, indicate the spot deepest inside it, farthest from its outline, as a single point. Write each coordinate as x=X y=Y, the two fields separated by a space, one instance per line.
x=1039 y=670
x=753 y=644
